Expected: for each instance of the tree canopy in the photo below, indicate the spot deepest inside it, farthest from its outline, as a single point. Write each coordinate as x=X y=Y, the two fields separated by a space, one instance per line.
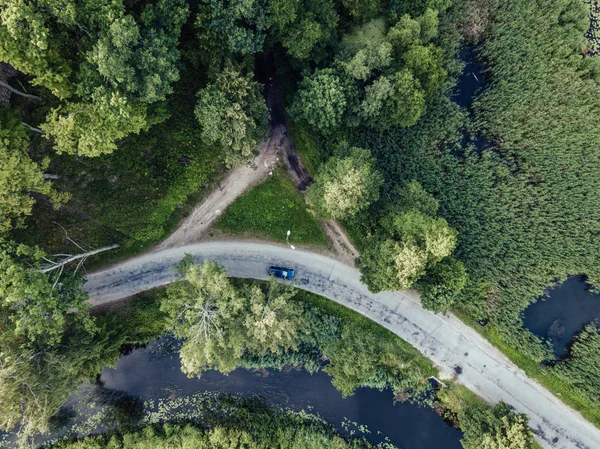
x=219 y=322
x=321 y=101
x=494 y=428
x=345 y=184
x=232 y=114
x=19 y=175
x=49 y=343
x=410 y=239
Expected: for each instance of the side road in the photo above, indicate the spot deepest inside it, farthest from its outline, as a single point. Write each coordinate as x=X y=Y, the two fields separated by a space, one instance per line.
x=453 y=346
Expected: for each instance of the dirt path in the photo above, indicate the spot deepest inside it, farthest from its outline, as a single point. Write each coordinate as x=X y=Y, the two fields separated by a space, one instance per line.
x=302 y=179
x=240 y=180
x=298 y=172
x=341 y=243
x=237 y=181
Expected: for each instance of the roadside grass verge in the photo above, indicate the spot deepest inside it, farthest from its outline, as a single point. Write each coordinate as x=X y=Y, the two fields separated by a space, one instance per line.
x=138 y=319
x=566 y=392
x=269 y=211
x=368 y=326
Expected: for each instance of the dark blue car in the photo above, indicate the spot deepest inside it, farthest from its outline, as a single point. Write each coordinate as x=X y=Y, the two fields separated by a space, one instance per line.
x=282 y=273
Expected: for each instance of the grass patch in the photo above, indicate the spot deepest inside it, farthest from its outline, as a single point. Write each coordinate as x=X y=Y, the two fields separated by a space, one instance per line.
x=269 y=211
x=138 y=319
x=307 y=146
x=368 y=326
x=566 y=392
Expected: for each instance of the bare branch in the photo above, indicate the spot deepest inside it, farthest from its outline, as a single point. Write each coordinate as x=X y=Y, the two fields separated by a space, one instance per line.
x=18 y=92
x=33 y=128
x=66 y=260
x=69 y=238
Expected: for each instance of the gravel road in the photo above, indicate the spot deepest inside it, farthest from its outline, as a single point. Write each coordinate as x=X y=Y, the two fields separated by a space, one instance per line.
x=453 y=346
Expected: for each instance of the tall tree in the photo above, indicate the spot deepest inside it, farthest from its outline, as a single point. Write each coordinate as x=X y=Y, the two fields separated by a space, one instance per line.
x=346 y=184
x=303 y=27
x=273 y=320
x=362 y=10
x=219 y=323
x=49 y=343
x=93 y=127
x=321 y=101
x=34 y=307
x=105 y=66
x=241 y=24
x=442 y=284
x=232 y=114
x=203 y=309
x=494 y=428
x=140 y=60
x=30 y=42
x=19 y=175
x=407 y=242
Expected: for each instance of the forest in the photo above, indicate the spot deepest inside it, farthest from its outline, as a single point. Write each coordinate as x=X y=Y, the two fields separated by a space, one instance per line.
x=117 y=116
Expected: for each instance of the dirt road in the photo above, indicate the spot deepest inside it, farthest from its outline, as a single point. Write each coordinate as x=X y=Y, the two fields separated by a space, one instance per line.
x=237 y=181
x=453 y=346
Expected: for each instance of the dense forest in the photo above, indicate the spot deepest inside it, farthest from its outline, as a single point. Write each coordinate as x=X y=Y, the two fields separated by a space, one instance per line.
x=116 y=116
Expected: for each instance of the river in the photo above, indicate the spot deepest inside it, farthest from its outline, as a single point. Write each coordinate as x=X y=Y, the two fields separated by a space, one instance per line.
x=151 y=374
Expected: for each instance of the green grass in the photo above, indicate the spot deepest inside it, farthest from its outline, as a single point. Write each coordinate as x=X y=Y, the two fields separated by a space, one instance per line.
x=563 y=390
x=307 y=146
x=269 y=211
x=139 y=319
x=368 y=326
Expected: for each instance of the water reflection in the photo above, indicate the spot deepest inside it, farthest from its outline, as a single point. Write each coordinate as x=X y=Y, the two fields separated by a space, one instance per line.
x=152 y=374
x=471 y=81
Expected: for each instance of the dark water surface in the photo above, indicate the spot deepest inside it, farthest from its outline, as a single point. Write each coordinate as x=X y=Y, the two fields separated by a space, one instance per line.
x=149 y=374
x=471 y=81
x=569 y=307
x=152 y=376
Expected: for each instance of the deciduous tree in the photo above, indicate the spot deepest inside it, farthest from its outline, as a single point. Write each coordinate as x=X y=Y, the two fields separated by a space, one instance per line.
x=19 y=175
x=346 y=184
x=29 y=41
x=304 y=27
x=321 y=100
x=407 y=243
x=34 y=308
x=442 y=284
x=93 y=127
x=273 y=319
x=494 y=428
x=219 y=323
x=232 y=114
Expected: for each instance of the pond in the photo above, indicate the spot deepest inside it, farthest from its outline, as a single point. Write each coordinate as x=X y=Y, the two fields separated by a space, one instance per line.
x=153 y=373
x=568 y=308
x=471 y=81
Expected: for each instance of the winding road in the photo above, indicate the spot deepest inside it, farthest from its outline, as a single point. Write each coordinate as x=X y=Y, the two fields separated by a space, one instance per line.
x=453 y=346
